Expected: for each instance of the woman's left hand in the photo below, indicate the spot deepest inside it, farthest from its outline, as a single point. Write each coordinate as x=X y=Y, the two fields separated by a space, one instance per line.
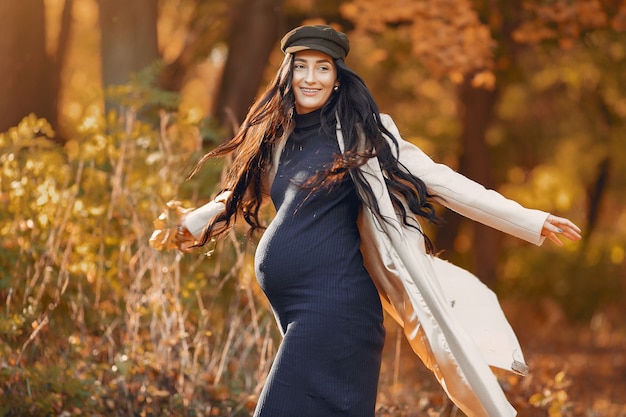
x=558 y=226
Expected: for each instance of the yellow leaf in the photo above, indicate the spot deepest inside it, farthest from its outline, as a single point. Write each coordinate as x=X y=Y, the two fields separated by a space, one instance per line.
x=536 y=399
x=559 y=378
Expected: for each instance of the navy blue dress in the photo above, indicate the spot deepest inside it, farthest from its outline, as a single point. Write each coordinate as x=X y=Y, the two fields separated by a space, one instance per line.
x=309 y=265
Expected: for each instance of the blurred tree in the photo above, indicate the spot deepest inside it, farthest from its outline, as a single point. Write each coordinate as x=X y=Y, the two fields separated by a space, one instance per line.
x=129 y=38
x=254 y=30
x=30 y=81
x=204 y=29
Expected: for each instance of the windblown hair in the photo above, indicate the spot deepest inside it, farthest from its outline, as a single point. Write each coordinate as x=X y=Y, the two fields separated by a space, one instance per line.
x=271 y=118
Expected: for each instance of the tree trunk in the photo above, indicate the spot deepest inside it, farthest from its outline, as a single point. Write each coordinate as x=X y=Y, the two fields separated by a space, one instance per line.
x=476 y=110
x=25 y=67
x=478 y=105
x=129 y=38
x=255 y=29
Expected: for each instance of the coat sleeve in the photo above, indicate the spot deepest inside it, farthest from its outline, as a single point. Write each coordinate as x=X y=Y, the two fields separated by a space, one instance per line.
x=468 y=197
x=196 y=220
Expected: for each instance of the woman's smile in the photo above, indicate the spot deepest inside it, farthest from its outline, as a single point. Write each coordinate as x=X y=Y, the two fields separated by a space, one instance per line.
x=309 y=91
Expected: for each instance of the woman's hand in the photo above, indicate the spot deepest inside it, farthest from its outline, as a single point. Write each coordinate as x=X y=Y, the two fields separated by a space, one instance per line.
x=558 y=226
x=168 y=231
x=184 y=239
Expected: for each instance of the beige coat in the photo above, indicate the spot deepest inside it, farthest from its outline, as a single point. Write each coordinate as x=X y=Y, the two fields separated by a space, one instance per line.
x=452 y=321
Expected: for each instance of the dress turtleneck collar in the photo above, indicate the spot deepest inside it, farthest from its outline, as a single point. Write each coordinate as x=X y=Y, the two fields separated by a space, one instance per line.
x=308 y=120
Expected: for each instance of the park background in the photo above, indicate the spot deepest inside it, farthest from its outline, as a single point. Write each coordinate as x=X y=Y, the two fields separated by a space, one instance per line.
x=107 y=105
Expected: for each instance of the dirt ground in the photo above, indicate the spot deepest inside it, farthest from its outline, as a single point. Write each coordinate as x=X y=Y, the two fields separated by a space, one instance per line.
x=575 y=369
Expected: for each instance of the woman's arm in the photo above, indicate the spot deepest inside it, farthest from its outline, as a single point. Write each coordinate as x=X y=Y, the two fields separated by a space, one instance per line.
x=474 y=201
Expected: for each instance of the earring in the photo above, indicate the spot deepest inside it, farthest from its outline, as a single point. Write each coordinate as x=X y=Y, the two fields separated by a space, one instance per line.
x=336 y=88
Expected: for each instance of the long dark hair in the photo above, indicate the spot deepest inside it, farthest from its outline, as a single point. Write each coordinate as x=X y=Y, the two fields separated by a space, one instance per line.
x=365 y=136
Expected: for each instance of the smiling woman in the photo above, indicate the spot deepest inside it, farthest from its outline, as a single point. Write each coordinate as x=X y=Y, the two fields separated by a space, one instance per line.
x=346 y=242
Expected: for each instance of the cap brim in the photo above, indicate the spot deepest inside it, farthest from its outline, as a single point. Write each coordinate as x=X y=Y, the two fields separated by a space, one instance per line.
x=298 y=48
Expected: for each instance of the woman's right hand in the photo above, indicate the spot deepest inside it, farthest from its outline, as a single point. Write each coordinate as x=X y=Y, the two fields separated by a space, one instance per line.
x=184 y=239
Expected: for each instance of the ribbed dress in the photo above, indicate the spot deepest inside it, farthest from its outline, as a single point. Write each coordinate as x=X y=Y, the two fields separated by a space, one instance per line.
x=309 y=265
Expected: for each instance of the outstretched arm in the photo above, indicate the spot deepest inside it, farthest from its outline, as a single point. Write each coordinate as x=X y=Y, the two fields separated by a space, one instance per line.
x=474 y=201
x=555 y=226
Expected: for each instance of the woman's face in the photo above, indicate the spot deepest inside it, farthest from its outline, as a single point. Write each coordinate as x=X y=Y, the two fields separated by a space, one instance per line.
x=314 y=77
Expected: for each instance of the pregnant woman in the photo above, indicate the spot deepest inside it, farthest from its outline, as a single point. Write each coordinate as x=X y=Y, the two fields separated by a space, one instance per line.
x=346 y=243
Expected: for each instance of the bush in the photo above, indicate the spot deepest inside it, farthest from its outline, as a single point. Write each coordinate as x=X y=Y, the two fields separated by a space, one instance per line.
x=95 y=321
